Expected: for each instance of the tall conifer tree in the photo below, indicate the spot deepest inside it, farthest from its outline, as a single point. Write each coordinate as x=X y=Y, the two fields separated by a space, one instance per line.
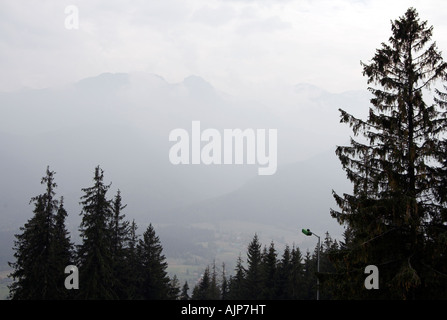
x=40 y=258
x=120 y=232
x=394 y=167
x=133 y=263
x=153 y=275
x=184 y=295
x=254 y=274
x=224 y=285
x=296 y=274
x=63 y=250
x=285 y=272
x=96 y=275
x=269 y=273
x=237 y=282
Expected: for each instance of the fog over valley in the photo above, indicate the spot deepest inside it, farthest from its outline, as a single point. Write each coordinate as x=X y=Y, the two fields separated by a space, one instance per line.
x=122 y=122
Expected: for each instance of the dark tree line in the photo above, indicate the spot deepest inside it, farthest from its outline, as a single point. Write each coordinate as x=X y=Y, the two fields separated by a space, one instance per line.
x=269 y=275
x=113 y=261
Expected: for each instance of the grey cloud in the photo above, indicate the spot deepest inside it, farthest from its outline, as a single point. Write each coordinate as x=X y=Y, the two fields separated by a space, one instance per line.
x=266 y=25
x=214 y=16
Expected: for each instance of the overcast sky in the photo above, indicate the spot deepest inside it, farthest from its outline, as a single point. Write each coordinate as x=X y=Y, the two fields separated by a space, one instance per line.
x=242 y=47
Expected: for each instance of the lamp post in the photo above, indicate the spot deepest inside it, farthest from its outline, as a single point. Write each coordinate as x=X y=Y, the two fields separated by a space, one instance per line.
x=307 y=232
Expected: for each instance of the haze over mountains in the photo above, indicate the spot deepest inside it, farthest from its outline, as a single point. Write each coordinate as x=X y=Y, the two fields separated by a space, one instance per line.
x=122 y=123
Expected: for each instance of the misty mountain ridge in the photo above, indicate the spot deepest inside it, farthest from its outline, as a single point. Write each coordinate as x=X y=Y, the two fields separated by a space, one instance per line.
x=122 y=123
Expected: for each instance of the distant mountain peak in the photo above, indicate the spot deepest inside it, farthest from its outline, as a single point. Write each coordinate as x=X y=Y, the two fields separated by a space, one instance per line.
x=309 y=90
x=196 y=83
x=105 y=80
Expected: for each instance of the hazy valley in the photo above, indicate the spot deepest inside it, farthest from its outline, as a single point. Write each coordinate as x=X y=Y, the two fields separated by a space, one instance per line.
x=201 y=213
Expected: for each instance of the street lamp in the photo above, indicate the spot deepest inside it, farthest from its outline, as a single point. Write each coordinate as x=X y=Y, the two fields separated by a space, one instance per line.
x=307 y=232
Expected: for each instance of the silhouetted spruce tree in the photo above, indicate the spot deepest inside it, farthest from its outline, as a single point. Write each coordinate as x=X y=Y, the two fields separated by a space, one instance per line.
x=120 y=232
x=236 y=285
x=133 y=277
x=154 y=280
x=253 y=275
x=344 y=269
x=296 y=275
x=95 y=255
x=202 y=290
x=214 y=292
x=63 y=251
x=174 y=288
x=224 y=286
x=36 y=270
x=394 y=208
x=327 y=267
x=184 y=295
x=208 y=287
x=285 y=268
x=269 y=273
x=310 y=279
